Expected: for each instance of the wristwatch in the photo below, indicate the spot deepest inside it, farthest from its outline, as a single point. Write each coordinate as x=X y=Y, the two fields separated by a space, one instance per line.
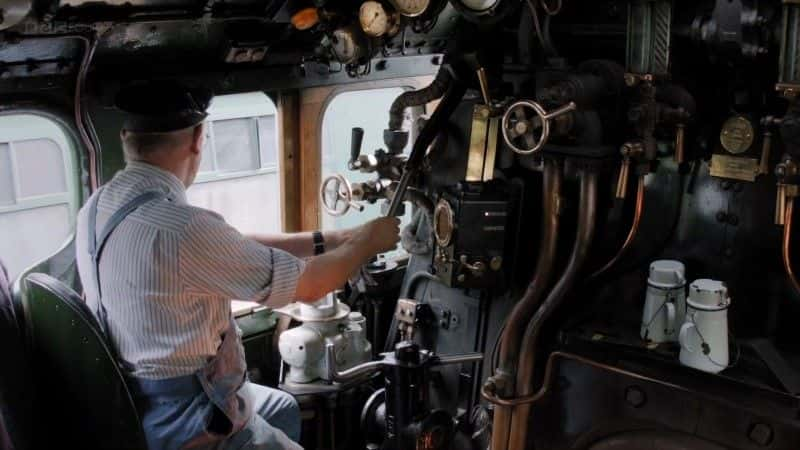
x=319 y=243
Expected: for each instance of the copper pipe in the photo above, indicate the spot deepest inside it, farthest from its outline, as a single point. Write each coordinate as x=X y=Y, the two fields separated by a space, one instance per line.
x=680 y=138
x=82 y=120
x=511 y=338
x=548 y=380
x=787 y=237
x=637 y=221
x=622 y=178
x=587 y=214
x=780 y=204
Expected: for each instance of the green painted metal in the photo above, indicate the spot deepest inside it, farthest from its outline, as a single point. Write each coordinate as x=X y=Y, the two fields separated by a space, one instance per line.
x=82 y=400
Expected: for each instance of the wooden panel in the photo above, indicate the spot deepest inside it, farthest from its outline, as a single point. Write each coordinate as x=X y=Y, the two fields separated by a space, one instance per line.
x=289 y=148
x=313 y=103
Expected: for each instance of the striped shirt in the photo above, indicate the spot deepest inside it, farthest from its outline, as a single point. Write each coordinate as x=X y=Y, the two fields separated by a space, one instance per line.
x=169 y=271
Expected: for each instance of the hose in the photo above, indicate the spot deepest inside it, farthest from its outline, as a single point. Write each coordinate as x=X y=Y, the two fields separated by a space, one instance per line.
x=425 y=95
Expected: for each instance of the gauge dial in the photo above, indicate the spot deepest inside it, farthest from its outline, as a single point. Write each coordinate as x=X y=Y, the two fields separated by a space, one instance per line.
x=373 y=19
x=479 y=5
x=443 y=223
x=410 y=8
x=346 y=45
x=737 y=135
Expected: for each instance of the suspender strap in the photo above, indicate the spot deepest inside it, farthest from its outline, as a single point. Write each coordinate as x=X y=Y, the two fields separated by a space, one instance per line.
x=97 y=244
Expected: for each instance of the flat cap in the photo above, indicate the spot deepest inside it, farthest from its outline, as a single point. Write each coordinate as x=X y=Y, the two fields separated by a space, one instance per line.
x=162 y=106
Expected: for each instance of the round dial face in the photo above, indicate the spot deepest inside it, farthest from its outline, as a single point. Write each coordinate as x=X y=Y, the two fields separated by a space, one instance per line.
x=737 y=135
x=345 y=45
x=411 y=8
x=479 y=5
x=443 y=223
x=373 y=18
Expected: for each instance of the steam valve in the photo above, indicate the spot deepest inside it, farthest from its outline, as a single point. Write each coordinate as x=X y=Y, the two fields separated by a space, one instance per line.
x=522 y=120
x=630 y=152
x=787 y=172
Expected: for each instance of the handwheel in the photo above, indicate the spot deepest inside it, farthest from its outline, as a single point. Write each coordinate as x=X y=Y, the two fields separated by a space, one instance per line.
x=526 y=125
x=336 y=195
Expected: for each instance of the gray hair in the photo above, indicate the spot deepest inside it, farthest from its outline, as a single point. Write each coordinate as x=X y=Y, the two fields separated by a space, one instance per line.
x=137 y=145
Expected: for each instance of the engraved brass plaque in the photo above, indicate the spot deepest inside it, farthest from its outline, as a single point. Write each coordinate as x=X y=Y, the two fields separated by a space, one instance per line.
x=734 y=167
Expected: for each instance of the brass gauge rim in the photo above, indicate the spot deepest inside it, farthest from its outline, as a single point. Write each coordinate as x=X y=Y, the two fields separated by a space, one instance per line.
x=737 y=135
x=443 y=208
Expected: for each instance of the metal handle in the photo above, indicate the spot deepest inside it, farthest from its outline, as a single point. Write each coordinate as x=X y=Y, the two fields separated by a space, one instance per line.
x=356 y=139
x=458 y=359
x=353 y=373
x=515 y=124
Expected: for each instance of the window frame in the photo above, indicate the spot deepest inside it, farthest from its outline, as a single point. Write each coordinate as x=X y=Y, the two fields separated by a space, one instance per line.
x=314 y=103
x=55 y=132
x=252 y=114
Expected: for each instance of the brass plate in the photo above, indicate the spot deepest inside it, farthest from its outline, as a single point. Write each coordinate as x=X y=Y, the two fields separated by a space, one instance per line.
x=734 y=167
x=737 y=135
x=477 y=143
x=491 y=148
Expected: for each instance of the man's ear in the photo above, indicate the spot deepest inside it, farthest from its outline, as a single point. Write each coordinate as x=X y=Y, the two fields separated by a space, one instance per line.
x=197 y=139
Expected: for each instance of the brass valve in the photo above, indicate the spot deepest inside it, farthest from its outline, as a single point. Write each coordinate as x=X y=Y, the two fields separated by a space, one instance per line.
x=787 y=172
x=630 y=151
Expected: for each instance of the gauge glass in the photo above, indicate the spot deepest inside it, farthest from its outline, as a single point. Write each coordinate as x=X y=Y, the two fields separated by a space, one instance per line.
x=345 y=46
x=373 y=18
x=410 y=8
x=443 y=223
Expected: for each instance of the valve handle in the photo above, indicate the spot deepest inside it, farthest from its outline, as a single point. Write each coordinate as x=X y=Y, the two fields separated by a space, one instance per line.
x=519 y=125
x=356 y=139
x=336 y=195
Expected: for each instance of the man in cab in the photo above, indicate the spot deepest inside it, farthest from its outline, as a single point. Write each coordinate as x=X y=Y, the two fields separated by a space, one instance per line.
x=160 y=274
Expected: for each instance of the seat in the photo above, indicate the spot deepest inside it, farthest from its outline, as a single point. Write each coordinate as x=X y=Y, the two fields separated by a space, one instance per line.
x=82 y=400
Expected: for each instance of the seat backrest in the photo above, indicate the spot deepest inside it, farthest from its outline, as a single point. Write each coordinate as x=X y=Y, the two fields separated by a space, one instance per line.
x=81 y=391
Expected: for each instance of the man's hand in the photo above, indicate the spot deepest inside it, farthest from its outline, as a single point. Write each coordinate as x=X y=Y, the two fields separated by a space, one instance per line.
x=379 y=235
x=329 y=271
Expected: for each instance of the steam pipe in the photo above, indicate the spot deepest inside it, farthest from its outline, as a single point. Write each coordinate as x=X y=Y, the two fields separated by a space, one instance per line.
x=587 y=213
x=435 y=90
x=511 y=338
x=448 y=104
x=787 y=237
x=632 y=233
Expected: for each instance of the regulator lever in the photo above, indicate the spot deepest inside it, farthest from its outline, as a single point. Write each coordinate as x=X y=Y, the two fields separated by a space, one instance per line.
x=356 y=139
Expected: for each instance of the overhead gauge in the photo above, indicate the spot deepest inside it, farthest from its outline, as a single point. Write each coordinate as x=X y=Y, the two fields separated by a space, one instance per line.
x=479 y=5
x=410 y=8
x=346 y=45
x=373 y=18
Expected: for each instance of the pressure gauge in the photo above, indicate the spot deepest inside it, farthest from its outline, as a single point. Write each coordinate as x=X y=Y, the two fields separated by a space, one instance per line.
x=443 y=223
x=373 y=19
x=479 y=5
x=346 y=45
x=737 y=135
x=410 y=8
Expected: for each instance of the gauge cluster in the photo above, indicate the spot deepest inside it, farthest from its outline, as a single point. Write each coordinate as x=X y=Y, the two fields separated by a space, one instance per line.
x=352 y=34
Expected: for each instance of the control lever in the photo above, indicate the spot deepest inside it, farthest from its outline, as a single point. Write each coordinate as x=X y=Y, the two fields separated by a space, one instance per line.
x=356 y=140
x=389 y=360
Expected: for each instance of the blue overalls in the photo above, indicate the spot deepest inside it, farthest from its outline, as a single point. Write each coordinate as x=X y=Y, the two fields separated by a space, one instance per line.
x=214 y=408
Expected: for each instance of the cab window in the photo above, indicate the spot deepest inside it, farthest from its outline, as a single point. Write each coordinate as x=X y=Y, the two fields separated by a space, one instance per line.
x=368 y=109
x=38 y=190
x=238 y=175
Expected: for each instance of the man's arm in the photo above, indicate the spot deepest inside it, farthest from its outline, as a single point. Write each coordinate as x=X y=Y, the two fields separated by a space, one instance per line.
x=331 y=270
x=301 y=245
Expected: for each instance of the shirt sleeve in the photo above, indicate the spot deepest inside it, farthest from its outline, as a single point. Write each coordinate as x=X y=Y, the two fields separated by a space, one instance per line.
x=215 y=259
